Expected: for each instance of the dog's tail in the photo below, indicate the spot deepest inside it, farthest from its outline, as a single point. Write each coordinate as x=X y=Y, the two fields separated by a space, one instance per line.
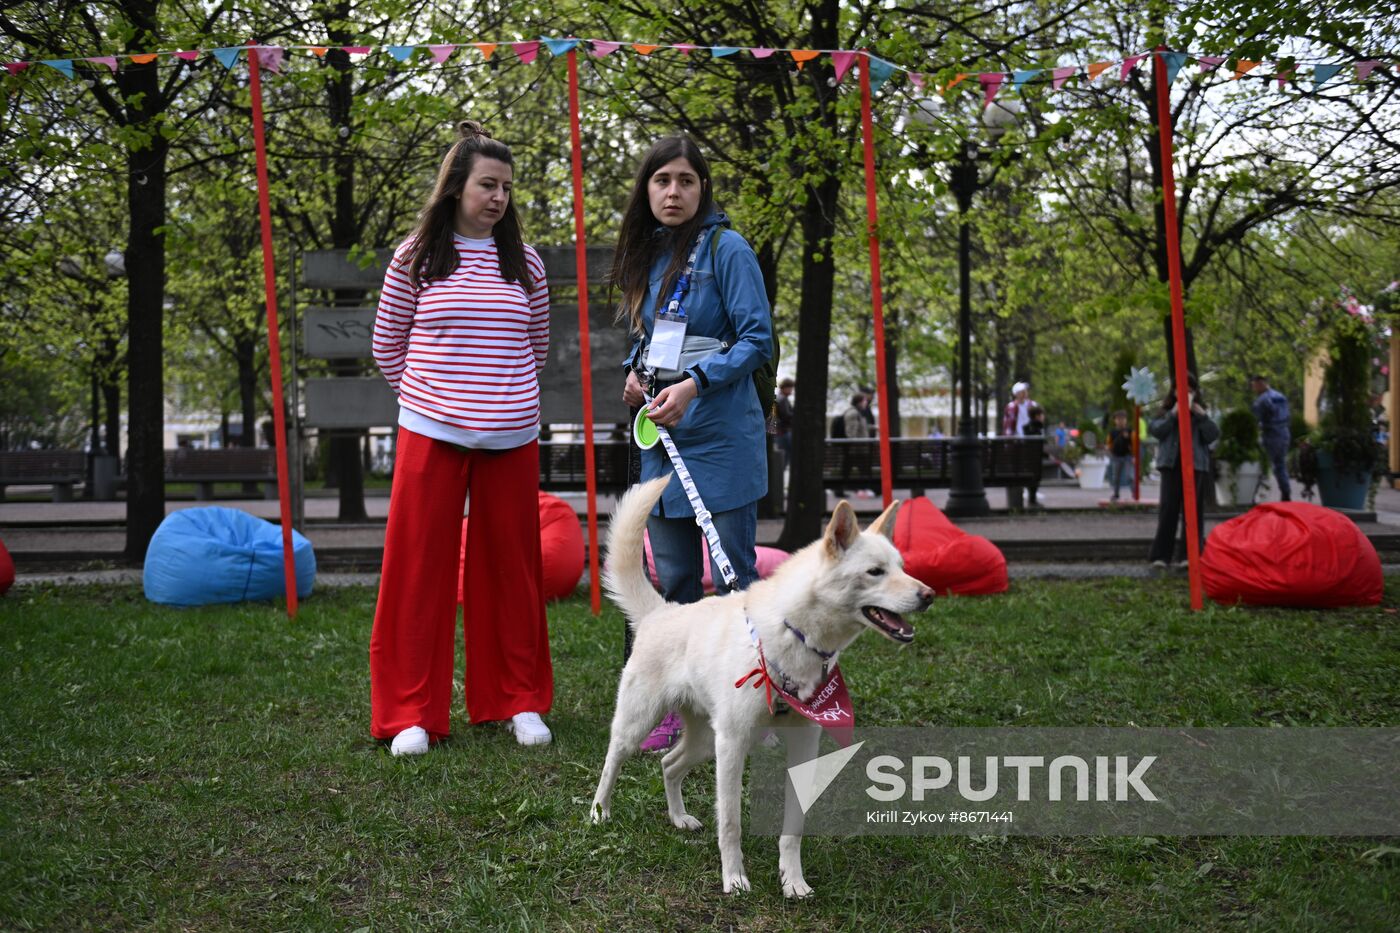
x=626 y=579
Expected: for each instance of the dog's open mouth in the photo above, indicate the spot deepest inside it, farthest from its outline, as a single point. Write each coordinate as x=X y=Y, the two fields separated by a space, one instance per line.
x=890 y=624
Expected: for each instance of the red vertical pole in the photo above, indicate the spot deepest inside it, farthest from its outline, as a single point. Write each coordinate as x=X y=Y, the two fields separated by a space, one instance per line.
x=1183 y=409
x=1137 y=453
x=274 y=348
x=585 y=357
x=876 y=290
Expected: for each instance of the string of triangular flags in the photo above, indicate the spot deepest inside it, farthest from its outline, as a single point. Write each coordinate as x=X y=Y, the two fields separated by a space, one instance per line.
x=272 y=57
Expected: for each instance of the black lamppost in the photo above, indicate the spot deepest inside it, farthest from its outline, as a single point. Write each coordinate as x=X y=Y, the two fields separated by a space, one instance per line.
x=967 y=498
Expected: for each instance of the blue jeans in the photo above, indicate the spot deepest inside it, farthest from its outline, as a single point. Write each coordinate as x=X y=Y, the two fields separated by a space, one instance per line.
x=1277 y=449
x=1122 y=470
x=680 y=550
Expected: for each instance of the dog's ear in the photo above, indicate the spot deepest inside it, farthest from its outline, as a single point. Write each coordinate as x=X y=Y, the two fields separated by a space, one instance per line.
x=842 y=531
x=884 y=525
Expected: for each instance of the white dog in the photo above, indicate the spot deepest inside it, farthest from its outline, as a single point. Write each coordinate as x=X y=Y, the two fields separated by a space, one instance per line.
x=688 y=657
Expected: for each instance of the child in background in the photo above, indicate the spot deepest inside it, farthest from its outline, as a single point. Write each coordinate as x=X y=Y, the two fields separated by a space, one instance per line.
x=1120 y=451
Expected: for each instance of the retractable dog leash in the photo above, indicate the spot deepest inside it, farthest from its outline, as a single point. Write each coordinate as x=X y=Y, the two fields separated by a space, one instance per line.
x=675 y=311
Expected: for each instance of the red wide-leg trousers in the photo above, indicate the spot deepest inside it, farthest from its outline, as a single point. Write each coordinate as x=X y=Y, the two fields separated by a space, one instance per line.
x=411 y=647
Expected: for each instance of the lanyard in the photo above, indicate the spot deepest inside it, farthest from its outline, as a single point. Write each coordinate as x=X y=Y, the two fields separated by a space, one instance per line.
x=673 y=307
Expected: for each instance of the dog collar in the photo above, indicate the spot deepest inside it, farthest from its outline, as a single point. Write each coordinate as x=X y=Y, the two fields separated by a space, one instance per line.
x=824 y=655
x=829 y=707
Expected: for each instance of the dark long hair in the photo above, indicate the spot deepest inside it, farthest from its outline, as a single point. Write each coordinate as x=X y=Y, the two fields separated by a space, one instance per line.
x=639 y=242
x=432 y=253
x=1169 y=402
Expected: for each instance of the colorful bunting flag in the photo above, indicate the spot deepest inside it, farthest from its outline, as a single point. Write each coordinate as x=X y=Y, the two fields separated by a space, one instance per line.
x=1283 y=73
x=760 y=53
x=401 y=52
x=1173 y=62
x=1324 y=73
x=560 y=46
x=145 y=58
x=1098 y=68
x=61 y=65
x=991 y=83
x=355 y=49
x=915 y=78
x=1243 y=66
x=803 y=56
x=187 y=55
x=601 y=48
x=270 y=58
x=525 y=51
x=880 y=71
x=109 y=60
x=1364 y=69
x=842 y=62
x=486 y=49
x=1059 y=76
x=685 y=49
x=720 y=51
x=961 y=77
x=1129 y=64
x=319 y=50
x=440 y=53
x=226 y=56
x=1210 y=62
x=644 y=49
x=1019 y=78
x=15 y=68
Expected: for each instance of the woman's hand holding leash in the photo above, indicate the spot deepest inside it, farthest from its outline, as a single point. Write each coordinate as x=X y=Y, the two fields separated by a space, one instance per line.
x=632 y=391
x=670 y=404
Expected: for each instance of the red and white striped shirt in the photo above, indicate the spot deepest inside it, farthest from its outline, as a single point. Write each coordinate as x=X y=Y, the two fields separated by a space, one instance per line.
x=463 y=353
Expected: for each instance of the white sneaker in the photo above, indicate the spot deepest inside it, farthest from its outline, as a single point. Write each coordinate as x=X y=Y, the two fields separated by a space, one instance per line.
x=529 y=729
x=411 y=741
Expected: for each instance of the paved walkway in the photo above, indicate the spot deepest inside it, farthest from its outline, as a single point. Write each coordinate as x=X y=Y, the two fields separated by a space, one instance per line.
x=1075 y=533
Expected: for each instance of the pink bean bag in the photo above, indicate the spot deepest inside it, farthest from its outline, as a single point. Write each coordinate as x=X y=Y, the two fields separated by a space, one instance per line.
x=769 y=559
x=944 y=557
x=7 y=569
x=1291 y=554
x=561 y=548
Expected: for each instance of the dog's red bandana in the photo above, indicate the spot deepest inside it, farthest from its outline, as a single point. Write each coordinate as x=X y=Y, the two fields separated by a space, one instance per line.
x=830 y=707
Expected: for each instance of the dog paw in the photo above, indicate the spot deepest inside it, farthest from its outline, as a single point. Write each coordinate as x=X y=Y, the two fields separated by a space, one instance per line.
x=796 y=888
x=734 y=884
x=599 y=813
x=685 y=821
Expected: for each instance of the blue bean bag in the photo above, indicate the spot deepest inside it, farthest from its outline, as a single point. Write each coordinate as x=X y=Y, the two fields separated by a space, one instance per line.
x=216 y=555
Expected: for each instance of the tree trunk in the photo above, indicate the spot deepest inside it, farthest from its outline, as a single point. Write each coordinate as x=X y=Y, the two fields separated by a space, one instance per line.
x=245 y=348
x=145 y=269
x=345 y=446
x=806 y=508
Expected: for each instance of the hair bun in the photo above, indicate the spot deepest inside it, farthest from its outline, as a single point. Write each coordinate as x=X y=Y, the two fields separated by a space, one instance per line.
x=470 y=129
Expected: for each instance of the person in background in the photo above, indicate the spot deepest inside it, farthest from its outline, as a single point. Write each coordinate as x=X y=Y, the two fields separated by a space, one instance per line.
x=1120 y=452
x=1271 y=409
x=1013 y=424
x=1035 y=427
x=1171 y=512
x=461 y=333
x=785 y=415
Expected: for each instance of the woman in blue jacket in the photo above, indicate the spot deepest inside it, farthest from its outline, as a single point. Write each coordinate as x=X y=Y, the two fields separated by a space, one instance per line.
x=708 y=402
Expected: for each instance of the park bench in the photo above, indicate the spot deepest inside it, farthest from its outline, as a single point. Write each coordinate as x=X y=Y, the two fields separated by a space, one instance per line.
x=57 y=468
x=562 y=465
x=920 y=463
x=205 y=467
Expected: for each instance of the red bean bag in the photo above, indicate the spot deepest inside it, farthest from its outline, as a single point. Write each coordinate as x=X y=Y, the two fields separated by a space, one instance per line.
x=944 y=557
x=561 y=548
x=7 y=569
x=768 y=560
x=1291 y=554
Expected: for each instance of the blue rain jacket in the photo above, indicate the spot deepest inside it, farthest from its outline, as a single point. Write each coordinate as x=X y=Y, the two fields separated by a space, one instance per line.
x=722 y=437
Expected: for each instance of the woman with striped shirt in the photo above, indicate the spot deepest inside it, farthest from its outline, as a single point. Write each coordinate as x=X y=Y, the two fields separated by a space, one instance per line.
x=461 y=333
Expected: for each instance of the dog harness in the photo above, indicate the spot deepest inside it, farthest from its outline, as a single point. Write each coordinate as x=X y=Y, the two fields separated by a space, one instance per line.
x=830 y=706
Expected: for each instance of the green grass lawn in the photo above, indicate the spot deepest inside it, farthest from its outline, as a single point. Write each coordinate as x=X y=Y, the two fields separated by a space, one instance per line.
x=212 y=769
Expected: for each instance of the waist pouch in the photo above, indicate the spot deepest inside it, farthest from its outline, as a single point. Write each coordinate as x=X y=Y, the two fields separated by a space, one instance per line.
x=695 y=349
